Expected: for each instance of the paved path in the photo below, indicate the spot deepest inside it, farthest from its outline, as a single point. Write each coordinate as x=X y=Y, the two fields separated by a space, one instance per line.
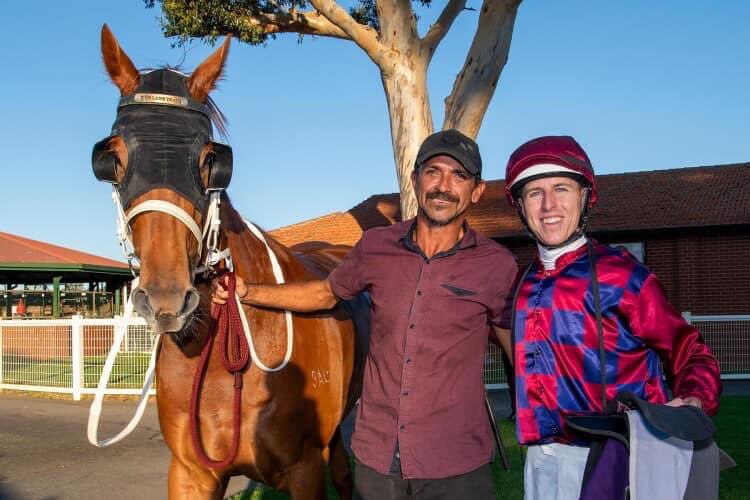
x=44 y=453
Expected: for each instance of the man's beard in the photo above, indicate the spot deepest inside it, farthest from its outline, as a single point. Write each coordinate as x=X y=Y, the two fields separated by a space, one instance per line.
x=441 y=196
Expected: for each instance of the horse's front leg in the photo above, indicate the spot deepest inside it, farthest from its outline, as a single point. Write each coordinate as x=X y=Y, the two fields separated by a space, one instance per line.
x=307 y=478
x=194 y=483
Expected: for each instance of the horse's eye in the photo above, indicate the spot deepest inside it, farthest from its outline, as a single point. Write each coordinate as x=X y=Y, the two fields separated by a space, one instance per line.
x=208 y=160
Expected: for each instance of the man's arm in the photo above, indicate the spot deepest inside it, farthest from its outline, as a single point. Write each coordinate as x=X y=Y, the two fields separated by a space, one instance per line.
x=306 y=296
x=503 y=336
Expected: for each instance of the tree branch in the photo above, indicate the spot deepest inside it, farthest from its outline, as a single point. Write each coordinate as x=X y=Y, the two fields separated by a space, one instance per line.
x=437 y=31
x=364 y=36
x=475 y=84
x=305 y=23
x=398 y=24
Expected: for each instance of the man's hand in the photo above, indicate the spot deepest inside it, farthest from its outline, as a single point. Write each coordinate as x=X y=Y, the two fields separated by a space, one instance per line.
x=219 y=292
x=690 y=401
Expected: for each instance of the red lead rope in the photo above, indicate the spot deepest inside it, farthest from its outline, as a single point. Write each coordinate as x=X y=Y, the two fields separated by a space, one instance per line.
x=227 y=326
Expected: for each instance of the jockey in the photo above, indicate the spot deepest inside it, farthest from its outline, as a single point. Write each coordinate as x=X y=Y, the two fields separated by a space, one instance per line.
x=590 y=321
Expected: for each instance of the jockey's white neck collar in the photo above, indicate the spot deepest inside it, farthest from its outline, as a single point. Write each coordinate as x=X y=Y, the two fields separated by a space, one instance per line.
x=549 y=256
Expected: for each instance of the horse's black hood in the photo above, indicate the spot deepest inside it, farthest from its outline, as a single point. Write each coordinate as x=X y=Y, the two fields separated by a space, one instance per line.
x=164 y=130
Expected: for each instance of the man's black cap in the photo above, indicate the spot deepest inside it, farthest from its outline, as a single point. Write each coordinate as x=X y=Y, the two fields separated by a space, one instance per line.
x=452 y=143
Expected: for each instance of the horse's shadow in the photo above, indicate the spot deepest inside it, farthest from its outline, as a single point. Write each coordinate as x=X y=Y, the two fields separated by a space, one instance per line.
x=304 y=416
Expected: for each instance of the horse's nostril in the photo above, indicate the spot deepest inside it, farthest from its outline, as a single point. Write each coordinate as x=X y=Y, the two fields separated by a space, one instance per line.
x=141 y=302
x=192 y=299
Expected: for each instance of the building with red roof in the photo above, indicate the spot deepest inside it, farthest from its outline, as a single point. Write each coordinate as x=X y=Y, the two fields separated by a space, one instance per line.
x=27 y=263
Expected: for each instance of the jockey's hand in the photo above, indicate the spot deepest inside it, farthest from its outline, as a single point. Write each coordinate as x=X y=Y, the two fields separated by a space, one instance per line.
x=219 y=292
x=690 y=401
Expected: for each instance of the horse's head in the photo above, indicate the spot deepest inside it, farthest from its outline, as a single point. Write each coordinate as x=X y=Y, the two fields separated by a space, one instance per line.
x=166 y=170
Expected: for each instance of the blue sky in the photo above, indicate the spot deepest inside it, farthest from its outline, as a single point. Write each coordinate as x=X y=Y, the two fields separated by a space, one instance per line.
x=642 y=85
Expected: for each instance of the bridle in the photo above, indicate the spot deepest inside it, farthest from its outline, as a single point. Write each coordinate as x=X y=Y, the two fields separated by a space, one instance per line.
x=208 y=234
x=164 y=132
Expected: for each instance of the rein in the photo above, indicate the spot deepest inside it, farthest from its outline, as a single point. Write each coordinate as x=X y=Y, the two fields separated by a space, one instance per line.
x=235 y=353
x=234 y=319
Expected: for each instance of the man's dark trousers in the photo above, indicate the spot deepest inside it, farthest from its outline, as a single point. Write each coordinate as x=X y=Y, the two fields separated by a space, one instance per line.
x=371 y=485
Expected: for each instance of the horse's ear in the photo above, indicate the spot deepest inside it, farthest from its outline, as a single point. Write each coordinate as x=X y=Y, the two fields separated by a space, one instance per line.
x=204 y=78
x=119 y=66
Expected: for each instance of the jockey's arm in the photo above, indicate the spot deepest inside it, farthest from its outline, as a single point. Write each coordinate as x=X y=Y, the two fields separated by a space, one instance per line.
x=306 y=296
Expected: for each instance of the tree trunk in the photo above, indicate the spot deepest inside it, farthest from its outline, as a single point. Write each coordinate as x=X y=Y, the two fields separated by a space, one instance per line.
x=405 y=85
x=475 y=84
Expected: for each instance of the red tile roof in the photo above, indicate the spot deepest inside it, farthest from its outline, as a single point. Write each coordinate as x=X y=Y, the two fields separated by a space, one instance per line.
x=19 y=250
x=635 y=201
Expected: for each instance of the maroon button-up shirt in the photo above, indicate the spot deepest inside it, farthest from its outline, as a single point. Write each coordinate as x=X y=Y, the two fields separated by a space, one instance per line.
x=430 y=323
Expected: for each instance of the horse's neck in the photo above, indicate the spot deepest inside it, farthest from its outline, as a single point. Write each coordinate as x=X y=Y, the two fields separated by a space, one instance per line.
x=249 y=254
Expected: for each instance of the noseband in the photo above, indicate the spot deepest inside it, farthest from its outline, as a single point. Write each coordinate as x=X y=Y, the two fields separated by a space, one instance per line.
x=209 y=233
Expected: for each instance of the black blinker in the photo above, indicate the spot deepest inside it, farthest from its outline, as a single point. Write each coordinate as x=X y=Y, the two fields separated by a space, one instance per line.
x=104 y=161
x=220 y=173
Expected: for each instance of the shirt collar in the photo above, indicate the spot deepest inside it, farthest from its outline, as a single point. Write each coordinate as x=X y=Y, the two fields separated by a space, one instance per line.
x=468 y=240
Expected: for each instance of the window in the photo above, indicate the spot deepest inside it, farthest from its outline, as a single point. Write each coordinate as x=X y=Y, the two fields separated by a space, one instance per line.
x=635 y=248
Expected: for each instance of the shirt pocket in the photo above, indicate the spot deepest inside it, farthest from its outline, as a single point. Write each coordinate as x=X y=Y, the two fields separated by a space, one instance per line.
x=460 y=307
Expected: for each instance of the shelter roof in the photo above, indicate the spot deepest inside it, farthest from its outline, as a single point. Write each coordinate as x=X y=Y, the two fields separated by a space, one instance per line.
x=680 y=198
x=24 y=254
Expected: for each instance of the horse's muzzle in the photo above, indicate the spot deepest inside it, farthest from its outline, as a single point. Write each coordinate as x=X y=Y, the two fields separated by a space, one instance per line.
x=165 y=312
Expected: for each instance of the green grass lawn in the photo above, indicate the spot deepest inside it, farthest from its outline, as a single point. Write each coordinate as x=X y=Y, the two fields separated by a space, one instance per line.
x=127 y=372
x=733 y=422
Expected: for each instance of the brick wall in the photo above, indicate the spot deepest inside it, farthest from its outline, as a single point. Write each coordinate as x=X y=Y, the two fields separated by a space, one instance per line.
x=704 y=271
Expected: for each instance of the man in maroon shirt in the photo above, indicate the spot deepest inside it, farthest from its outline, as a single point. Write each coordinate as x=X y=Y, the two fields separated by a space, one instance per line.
x=437 y=289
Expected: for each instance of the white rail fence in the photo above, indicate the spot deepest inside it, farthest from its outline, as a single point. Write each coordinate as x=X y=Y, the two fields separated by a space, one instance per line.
x=729 y=339
x=67 y=355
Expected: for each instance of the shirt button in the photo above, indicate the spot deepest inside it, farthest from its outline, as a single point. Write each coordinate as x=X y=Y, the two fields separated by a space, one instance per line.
x=405 y=393
x=411 y=327
x=402 y=427
x=408 y=360
x=419 y=292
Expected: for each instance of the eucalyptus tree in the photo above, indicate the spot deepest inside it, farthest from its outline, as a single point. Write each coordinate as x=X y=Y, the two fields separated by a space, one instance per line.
x=387 y=32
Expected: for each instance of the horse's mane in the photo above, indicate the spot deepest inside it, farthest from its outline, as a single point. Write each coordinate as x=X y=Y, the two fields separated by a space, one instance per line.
x=217 y=118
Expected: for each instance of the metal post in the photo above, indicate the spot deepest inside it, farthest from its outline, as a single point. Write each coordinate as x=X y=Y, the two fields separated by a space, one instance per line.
x=56 y=309
x=117 y=302
x=76 y=354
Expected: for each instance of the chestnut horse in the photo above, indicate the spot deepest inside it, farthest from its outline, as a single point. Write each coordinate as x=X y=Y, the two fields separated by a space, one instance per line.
x=161 y=149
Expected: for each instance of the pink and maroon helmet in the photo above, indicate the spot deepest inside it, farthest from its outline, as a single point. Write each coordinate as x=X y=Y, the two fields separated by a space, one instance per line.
x=549 y=156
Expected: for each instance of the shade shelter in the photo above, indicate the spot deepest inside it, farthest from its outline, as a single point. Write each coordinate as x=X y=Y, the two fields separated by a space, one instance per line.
x=41 y=279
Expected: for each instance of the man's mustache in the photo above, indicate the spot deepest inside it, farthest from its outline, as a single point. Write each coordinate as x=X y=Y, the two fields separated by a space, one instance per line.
x=441 y=195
